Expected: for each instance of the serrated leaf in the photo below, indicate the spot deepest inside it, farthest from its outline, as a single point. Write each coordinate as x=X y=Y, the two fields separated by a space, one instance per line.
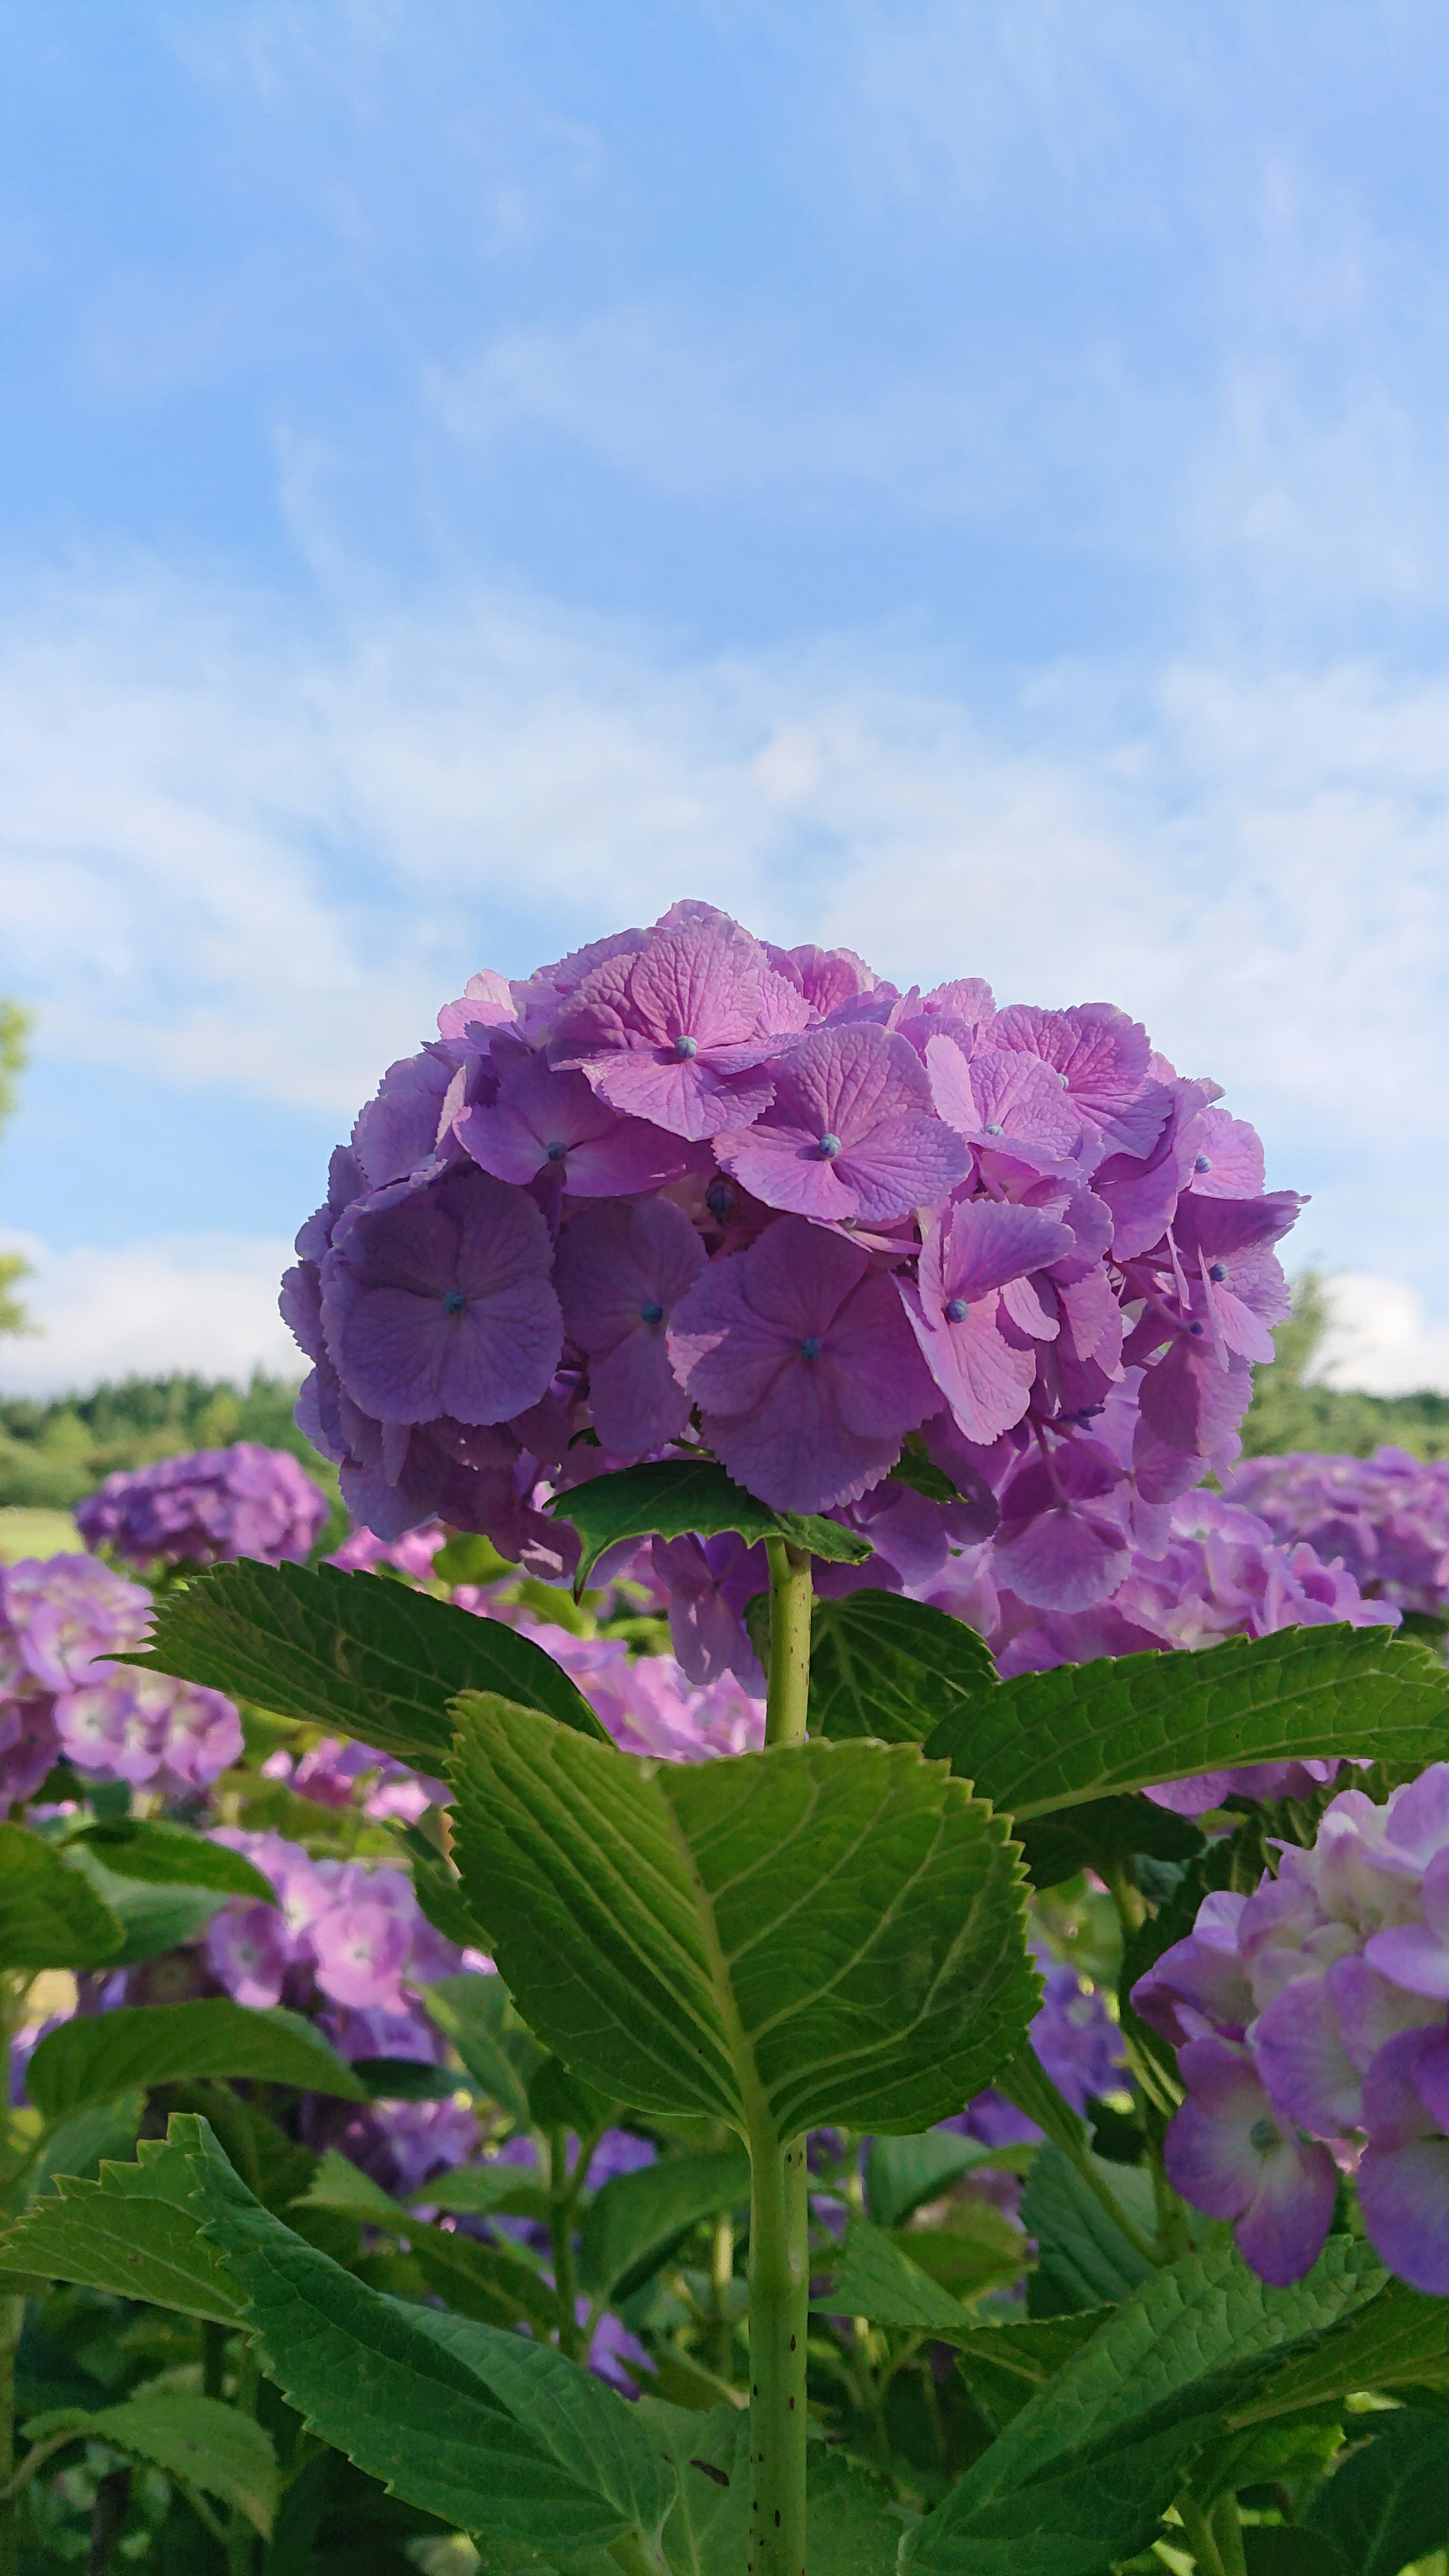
x=90 y=2059
x=195 y=2439
x=50 y=1916
x=374 y=1660
x=340 y=2184
x=876 y=2278
x=122 y=2234
x=1130 y=2409
x=1128 y=1722
x=1387 y=2502
x=900 y=2173
x=635 y=2219
x=1070 y=1839
x=491 y=2431
x=439 y=1892
x=651 y=1919
x=1398 y=2340
x=1004 y=2365
x=472 y=2011
x=884 y=1666
x=173 y=1856
x=688 y=1497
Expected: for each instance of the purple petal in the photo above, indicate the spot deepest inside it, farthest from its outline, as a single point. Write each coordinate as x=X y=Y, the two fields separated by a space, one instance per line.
x=986 y=1381
x=1298 y=2050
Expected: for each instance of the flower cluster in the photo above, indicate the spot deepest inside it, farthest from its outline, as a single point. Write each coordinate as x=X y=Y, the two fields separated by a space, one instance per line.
x=684 y=1177
x=1312 y=2024
x=1386 y=1517
x=207 y=1509
x=362 y=1552
x=334 y=1774
x=344 y=1941
x=59 y=1620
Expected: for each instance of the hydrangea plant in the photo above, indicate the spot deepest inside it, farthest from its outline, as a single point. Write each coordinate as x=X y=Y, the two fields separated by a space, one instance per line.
x=730 y=2033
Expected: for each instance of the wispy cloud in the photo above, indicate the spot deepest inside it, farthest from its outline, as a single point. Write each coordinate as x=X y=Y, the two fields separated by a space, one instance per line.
x=203 y=1302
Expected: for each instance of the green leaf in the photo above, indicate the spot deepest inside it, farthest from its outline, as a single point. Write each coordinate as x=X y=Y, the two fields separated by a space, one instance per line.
x=900 y=2173
x=683 y=1498
x=884 y=1666
x=558 y=2099
x=1057 y=1846
x=50 y=1917
x=194 y=2439
x=346 y=1651
x=1286 y=2549
x=489 y=2282
x=473 y=2013
x=1127 y=2413
x=1004 y=2365
x=439 y=1892
x=489 y=2430
x=174 y=1856
x=153 y=1919
x=1083 y=1731
x=340 y=2184
x=651 y=1919
x=404 y=2079
x=1084 y=2259
x=1026 y=2083
x=876 y=2278
x=81 y=2144
x=851 y=2529
x=634 y=2221
x=91 y=2059
x=1387 y=2502
x=125 y=2235
x=1398 y=2340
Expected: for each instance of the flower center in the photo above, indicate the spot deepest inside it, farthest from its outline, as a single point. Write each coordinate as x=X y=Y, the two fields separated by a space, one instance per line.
x=810 y=1348
x=685 y=1048
x=1196 y=1331
x=1218 y=1270
x=957 y=1310
x=454 y=1302
x=719 y=1198
x=991 y=1128
x=1263 y=2137
x=829 y=1148
x=1202 y=1163
x=651 y=1314
x=556 y=1151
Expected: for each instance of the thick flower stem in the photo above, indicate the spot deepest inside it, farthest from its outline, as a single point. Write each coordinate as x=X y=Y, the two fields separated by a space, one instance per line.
x=789 y=1685
x=779 y=2314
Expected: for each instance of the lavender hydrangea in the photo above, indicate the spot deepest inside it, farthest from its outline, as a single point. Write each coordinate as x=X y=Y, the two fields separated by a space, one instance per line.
x=1312 y=2024
x=207 y=1508
x=688 y=1184
x=344 y=1942
x=1385 y=1518
x=60 y=1619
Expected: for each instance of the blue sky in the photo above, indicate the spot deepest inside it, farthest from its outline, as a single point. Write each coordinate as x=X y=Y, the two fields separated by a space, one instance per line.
x=967 y=480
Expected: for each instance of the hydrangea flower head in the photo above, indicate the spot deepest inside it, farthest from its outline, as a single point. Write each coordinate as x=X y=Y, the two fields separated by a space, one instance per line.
x=850 y=1137
x=208 y=1508
x=680 y=1032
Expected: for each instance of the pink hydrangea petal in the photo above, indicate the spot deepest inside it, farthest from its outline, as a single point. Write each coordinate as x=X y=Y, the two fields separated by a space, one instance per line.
x=986 y=1382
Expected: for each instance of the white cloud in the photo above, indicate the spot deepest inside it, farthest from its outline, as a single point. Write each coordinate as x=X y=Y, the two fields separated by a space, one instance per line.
x=1380 y=1339
x=202 y=1302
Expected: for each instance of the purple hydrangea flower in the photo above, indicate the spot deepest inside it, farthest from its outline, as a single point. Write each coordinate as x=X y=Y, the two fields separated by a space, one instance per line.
x=621 y=1272
x=680 y=1032
x=851 y=1137
x=552 y=1123
x=1385 y=1518
x=982 y=1361
x=151 y=1731
x=1231 y=2154
x=441 y=1303
x=58 y=1616
x=803 y=1365
x=1005 y=1103
x=208 y=1508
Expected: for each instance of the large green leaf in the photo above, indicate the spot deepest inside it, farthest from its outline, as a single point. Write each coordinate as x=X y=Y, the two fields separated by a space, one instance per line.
x=1084 y=2258
x=174 y=1856
x=1057 y=1846
x=1005 y=2365
x=91 y=2058
x=489 y=2282
x=634 y=2220
x=687 y=1497
x=1398 y=2340
x=346 y=1651
x=502 y=2059
x=1389 y=2501
x=1056 y=1739
x=881 y=1665
x=815 y=1933
x=876 y=2278
x=195 y=2439
x=153 y=1918
x=1126 y=2415
x=900 y=2173
x=131 y=2233
x=50 y=1916
x=489 y=2430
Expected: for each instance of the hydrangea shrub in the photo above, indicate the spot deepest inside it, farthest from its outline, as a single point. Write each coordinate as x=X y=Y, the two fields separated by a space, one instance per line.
x=797 y=1868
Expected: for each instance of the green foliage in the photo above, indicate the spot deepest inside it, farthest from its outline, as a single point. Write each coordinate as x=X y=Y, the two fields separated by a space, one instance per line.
x=883 y=1666
x=92 y=2060
x=132 y=2233
x=900 y=2173
x=1288 y=1413
x=1083 y=2257
x=173 y=1856
x=642 y=1918
x=53 y=1454
x=877 y=2278
x=638 y=2218
x=1085 y=1731
x=1387 y=2501
x=688 y=1496
x=1100 y=1833
x=50 y=1916
x=353 y=1654
x=194 y=2439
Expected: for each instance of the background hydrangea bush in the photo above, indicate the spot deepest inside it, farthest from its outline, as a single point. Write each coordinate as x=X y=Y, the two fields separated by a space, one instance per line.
x=798 y=1873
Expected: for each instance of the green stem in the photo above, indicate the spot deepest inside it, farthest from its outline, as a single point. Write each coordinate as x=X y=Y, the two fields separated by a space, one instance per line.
x=779 y=2316
x=1228 y=2533
x=561 y=2236
x=12 y=2311
x=113 y=2494
x=720 y=2344
x=1198 y=2532
x=789 y=1683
